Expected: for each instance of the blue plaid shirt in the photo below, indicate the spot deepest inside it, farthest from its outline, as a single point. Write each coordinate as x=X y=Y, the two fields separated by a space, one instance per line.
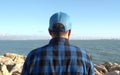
x=58 y=58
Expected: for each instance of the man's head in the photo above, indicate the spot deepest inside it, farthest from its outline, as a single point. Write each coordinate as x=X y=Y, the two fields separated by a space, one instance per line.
x=60 y=25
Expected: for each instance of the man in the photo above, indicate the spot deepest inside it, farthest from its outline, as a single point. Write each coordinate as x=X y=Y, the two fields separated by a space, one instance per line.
x=58 y=57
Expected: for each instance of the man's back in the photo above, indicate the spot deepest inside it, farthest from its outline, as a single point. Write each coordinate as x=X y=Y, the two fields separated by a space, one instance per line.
x=58 y=58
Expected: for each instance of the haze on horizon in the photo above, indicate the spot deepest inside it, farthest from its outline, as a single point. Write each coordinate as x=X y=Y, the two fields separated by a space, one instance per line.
x=29 y=19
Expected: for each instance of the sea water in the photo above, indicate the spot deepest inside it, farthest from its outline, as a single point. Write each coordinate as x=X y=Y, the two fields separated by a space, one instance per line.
x=100 y=50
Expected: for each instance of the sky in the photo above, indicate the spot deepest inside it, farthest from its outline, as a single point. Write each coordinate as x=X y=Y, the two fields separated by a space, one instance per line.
x=29 y=19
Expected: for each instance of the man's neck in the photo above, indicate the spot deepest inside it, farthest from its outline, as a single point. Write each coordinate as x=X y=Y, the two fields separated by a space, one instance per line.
x=61 y=37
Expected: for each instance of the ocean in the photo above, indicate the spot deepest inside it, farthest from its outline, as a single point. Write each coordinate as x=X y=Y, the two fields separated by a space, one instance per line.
x=100 y=50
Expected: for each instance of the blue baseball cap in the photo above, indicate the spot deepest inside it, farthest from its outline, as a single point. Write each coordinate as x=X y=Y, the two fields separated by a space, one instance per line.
x=61 y=18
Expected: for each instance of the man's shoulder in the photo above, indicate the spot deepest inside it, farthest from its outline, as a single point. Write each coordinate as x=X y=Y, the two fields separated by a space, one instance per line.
x=80 y=50
x=77 y=48
x=36 y=51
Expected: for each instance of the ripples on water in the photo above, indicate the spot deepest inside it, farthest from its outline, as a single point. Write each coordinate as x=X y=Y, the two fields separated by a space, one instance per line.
x=101 y=50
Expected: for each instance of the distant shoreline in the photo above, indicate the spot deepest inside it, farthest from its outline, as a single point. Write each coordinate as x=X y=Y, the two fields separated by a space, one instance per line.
x=48 y=39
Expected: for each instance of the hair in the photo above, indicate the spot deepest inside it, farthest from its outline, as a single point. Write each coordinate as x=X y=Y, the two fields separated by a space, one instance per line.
x=58 y=29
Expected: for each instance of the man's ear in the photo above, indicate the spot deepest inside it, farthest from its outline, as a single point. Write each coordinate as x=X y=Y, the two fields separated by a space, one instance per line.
x=69 y=33
x=49 y=31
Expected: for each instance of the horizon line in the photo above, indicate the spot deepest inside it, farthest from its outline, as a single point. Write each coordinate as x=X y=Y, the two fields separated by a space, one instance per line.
x=46 y=37
x=69 y=39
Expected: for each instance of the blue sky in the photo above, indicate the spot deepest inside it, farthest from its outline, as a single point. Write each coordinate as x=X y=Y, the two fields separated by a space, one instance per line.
x=29 y=19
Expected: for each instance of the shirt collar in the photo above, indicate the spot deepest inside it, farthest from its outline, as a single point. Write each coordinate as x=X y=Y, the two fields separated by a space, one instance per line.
x=59 y=41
